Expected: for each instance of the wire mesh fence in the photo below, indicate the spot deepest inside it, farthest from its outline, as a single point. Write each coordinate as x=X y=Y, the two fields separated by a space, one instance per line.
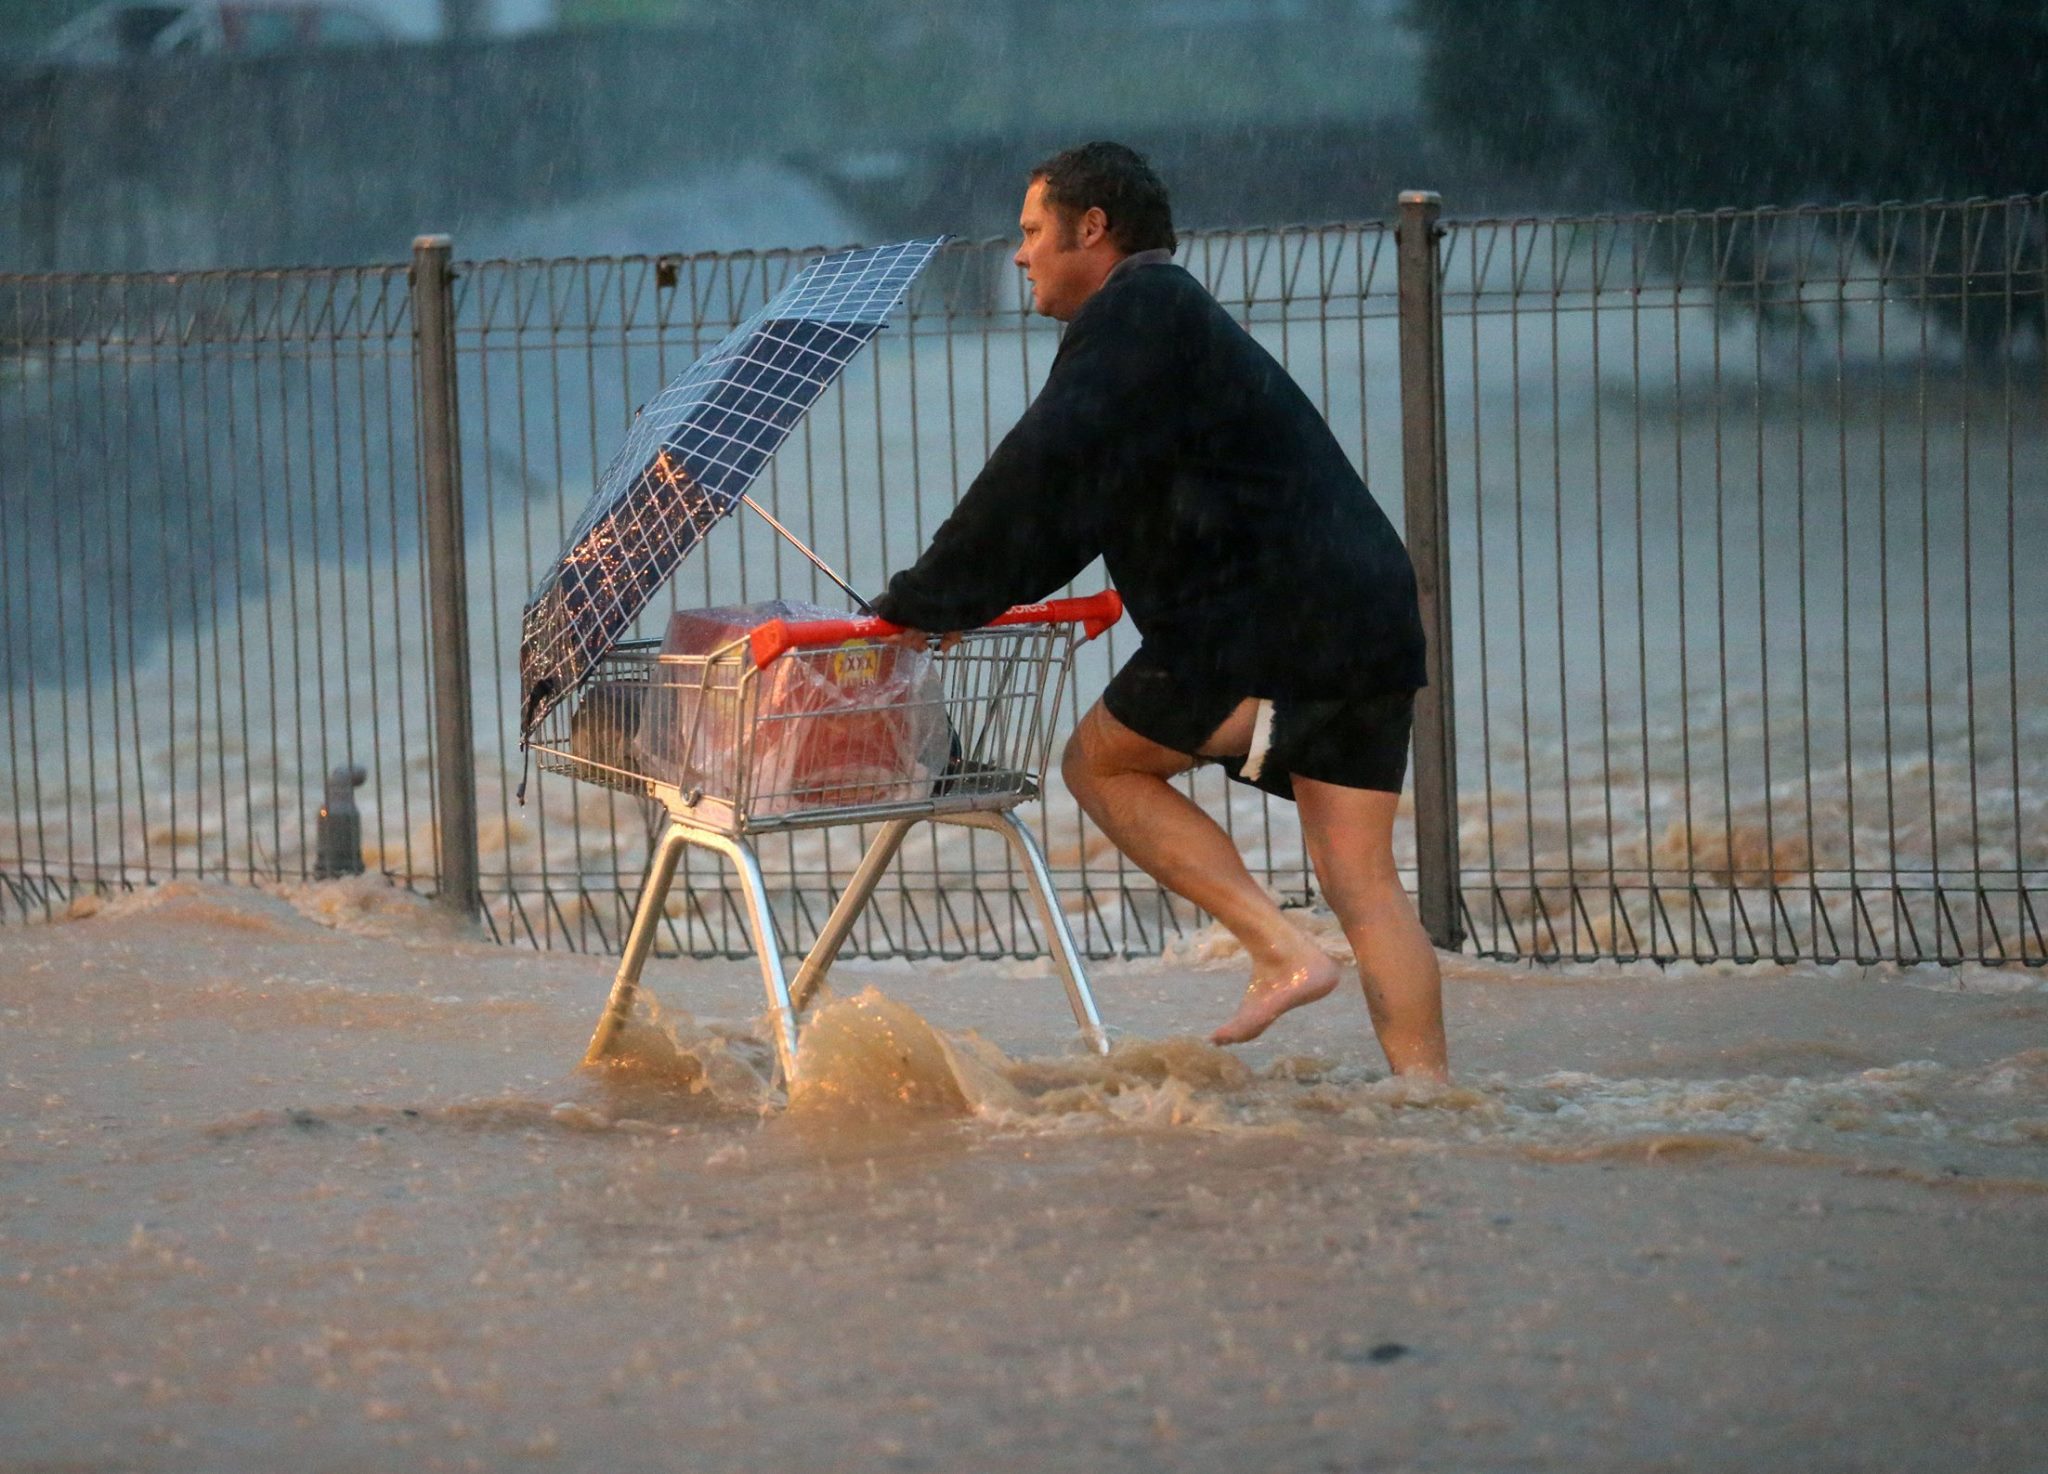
x=208 y=574
x=1748 y=519
x=1745 y=510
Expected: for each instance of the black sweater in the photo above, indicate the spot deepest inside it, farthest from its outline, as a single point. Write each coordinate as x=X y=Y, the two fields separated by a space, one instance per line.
x=1167 y=441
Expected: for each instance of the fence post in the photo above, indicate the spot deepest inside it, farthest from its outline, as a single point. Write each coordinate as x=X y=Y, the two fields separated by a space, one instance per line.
x=433 y=309
x=1426 y=495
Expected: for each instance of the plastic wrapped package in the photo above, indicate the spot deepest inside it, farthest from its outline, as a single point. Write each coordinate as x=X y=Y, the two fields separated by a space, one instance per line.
x=862 y=723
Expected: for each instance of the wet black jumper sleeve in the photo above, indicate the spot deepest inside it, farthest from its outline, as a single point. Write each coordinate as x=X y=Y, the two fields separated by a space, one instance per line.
x=1168 y=441
x=1031 y=521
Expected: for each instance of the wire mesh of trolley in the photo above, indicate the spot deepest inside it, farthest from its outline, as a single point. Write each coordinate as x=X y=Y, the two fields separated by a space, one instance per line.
x=805 y=724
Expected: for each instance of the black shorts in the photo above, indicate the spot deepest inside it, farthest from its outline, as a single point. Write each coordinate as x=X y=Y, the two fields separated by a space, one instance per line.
x=1356 y=743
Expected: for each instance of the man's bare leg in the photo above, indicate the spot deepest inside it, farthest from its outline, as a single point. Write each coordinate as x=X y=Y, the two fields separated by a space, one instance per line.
x=1121 y=781
x=1350 y=837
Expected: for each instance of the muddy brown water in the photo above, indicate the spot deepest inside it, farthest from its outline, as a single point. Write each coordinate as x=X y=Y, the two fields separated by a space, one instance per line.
x=309 y=1178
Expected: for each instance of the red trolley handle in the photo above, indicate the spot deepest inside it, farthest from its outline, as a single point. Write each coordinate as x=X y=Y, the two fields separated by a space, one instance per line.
x=1094 y=614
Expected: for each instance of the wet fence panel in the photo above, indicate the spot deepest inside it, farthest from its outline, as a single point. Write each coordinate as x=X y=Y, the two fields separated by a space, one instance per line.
x=1746 y=513
x=1749 y=531
x=210 y=585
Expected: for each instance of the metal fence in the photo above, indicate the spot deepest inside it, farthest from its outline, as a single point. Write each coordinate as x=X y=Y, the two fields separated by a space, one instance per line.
x=209 y=574
x=1748 y=513
x=1743 y=511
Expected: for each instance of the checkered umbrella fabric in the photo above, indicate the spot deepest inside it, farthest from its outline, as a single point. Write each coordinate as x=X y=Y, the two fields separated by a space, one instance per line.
x=693 y=451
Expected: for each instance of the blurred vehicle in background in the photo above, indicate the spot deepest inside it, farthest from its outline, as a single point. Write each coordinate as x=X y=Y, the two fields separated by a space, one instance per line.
x=129 y=31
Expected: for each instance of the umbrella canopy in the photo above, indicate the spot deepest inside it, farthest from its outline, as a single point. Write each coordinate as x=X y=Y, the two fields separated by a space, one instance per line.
x=692 y=453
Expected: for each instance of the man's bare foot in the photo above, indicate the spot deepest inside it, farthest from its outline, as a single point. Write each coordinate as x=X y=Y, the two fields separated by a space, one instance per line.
x=1425 y=1075
x=1275 y=993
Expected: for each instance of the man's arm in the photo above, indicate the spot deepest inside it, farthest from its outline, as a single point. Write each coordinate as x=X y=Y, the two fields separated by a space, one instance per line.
x=1031 y=520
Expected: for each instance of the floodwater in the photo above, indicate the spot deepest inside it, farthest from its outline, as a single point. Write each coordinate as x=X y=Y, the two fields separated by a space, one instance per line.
x=315 y=1176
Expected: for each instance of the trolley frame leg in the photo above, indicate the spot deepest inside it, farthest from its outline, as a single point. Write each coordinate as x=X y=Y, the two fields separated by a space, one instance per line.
x=832 y=936
x=767 y=946
x=1058 y=936
x=661 y=872
x=786 y=1000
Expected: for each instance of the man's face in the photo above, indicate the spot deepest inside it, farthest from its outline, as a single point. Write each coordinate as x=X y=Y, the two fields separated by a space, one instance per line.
x=1065 y=257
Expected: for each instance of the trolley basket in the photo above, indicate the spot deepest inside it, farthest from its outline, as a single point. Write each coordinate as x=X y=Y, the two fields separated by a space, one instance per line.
x=825 y=722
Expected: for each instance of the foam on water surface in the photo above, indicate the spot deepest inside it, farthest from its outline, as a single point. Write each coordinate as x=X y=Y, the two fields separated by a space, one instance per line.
x=361 y=905
x=357 y=959
x=869 y=1056
x=280 y=1189
x=872 y=1060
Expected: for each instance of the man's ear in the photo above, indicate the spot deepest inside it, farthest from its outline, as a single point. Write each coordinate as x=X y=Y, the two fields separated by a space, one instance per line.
x=1094 y=225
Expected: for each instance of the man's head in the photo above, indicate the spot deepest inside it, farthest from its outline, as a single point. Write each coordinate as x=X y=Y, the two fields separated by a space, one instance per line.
x=1086 y=209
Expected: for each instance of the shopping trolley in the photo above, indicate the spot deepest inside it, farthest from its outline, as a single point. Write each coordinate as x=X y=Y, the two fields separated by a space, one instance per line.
x=820 y=723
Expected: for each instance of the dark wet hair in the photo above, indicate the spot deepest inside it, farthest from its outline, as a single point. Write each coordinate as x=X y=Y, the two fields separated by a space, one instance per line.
x=1116 y=178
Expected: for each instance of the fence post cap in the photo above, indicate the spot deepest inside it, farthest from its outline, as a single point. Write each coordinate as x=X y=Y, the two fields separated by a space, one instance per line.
x=1421 y=197
x=432 y=242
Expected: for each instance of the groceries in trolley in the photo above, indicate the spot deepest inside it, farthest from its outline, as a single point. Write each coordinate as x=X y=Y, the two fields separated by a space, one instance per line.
x=846 y=725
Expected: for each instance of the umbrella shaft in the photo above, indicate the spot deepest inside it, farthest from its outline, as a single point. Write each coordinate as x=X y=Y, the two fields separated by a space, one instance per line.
x=798 y=543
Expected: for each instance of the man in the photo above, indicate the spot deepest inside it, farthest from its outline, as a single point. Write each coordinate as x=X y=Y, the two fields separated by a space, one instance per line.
x=1276 y=603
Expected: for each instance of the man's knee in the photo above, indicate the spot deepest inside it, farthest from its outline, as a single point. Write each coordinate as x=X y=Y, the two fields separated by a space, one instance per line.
x=1074 y=765
x=1090 y=755
x=1349 y=833
x=1365 y=897
x=1102 y=747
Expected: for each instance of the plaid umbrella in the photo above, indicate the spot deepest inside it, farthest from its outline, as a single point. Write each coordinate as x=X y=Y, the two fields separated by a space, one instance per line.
x=692 y=453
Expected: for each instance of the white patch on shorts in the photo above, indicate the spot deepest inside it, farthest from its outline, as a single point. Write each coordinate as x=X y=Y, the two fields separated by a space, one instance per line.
x=1262 y=739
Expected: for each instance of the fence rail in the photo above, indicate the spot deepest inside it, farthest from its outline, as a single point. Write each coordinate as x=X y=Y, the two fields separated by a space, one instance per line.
x=1741 y=512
